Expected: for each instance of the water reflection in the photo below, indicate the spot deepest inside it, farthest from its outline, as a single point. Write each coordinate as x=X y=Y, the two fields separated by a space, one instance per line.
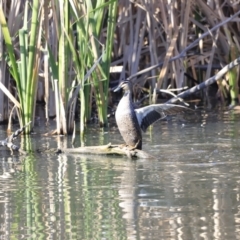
x=190 y=192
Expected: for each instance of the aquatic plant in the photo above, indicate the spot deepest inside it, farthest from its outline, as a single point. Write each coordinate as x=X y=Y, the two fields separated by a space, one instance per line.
x=75 y=36
x=25 y=70
x=79 y=27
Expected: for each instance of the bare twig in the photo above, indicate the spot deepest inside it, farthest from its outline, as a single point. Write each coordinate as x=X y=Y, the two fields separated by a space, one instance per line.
x=206 y=83
x=16 y=133
x=8 y=142
x=174 y=95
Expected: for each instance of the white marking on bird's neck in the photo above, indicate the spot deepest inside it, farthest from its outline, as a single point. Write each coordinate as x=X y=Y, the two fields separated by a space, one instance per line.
x=127 y=92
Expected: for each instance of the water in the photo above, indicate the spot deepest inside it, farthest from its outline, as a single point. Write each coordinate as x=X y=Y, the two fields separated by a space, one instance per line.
x=191 y=191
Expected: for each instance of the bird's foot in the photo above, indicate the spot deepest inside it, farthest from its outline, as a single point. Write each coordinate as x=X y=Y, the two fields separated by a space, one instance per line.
x=123 y=146
x=128 y=147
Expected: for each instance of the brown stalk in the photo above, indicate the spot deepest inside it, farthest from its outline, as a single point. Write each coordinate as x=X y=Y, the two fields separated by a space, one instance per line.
x=165 y=65
x=45 y=57
x=189 y=47
x=212 y=19
x=151 y=23
x=57 y=102
x=212 y=54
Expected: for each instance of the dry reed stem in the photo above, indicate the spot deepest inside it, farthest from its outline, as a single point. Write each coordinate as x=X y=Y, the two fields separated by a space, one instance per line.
x=165 y=65
x=211 y=58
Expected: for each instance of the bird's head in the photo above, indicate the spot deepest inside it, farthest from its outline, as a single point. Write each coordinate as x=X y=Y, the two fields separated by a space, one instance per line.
x=125 y=85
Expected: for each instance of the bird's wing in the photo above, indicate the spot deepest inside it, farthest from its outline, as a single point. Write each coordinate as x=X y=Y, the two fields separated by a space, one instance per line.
x=152 y=113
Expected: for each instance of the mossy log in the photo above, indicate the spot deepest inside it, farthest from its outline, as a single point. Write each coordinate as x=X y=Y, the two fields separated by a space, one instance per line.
x=109 y=149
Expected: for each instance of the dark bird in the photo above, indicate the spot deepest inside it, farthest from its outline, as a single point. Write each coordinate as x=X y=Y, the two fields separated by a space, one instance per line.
x=131 y=121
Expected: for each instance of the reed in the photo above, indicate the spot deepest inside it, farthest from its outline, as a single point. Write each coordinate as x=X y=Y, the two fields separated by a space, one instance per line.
x=172 y=27
x=25 y=71
x=81 y=40
x=14 y=15
x=90 y=17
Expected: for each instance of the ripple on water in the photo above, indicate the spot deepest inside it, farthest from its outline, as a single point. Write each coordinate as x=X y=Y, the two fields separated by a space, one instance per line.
x=191 y=191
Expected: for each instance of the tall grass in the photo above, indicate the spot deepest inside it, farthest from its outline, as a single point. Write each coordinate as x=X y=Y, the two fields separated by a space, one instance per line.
x=79 y=25
x=90 y=17
x=25 y=71
x=14 y=12
x=77 y=52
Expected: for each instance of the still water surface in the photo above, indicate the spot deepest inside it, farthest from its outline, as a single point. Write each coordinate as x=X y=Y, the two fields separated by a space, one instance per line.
x=191 y=191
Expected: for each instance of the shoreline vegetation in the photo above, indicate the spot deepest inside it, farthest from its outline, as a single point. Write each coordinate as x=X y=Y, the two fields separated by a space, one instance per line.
x=109 y=149
x=69 y=54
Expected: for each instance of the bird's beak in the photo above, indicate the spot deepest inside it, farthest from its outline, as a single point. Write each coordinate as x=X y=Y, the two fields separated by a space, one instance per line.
x=117 y=88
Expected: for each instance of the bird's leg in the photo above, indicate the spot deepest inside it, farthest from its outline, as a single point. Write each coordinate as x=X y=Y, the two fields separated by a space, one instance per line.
x=128 y=146
x=122 y=145
x=135 y=146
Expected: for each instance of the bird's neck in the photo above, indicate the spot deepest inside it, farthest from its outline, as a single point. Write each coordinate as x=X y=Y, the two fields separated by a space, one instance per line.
x=127 y=100
x=128 y=93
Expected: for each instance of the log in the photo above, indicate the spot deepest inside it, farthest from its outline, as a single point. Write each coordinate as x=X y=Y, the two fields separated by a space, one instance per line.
x=108 y=149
